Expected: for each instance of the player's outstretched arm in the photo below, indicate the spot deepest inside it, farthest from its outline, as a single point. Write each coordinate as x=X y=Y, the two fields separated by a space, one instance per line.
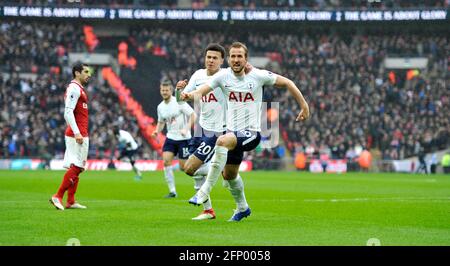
x=192 y=119
x=295 y=91
x=190 y=124
x=197 y=94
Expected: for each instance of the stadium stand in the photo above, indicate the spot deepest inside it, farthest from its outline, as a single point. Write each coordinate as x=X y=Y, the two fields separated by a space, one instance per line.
x=31 y=118
x=355 y=102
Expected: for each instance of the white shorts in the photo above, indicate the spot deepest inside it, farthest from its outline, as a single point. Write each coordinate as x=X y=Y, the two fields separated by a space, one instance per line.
x=76 y=153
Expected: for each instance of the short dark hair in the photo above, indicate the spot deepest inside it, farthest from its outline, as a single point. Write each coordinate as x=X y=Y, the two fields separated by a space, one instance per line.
x=116 y=129
x=215 y=47
x=166 y=82
x=78 y=67
x=240 y=45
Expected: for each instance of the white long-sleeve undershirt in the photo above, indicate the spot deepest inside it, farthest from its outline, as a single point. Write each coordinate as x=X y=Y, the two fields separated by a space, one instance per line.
x=72 y=96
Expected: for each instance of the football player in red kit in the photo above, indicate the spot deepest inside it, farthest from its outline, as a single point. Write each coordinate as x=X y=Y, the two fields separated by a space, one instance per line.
x=76 y=136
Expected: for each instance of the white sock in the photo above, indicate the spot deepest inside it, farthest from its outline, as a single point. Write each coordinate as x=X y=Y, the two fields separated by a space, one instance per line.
x=236 y=187
x=218 y=162
x=136 y=170
x=198 y=182
x=170 y=178
x=203 y=170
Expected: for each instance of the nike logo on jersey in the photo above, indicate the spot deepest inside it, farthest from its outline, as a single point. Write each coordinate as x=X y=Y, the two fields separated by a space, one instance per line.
x=199 y=84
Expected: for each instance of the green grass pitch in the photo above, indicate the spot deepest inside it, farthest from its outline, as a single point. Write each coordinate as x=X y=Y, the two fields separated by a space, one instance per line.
x=289 y=209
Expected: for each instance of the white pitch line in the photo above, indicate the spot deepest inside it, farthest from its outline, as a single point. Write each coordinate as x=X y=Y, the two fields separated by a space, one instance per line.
x=378 y=199
x=112 y=201
x=135 y=201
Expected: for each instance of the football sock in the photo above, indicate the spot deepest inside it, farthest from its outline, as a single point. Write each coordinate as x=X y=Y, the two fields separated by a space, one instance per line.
x=236 y=187
x=136 y=170
x=67 y=181
x=74 y=185
x=72 y=190
x=170 y=178
x=203 y=170
x=218 y=162
x=199 y=180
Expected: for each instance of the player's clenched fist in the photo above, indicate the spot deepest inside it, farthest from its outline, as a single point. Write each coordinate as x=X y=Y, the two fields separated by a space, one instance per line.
x=181 y=84
x=186 y=96
x=304 y=113
x=79 y=138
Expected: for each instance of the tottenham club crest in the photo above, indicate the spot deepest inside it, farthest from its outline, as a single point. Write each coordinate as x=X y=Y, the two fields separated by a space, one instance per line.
x=250 y=85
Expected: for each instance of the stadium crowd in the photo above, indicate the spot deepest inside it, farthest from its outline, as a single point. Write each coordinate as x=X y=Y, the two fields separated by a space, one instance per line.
x=32 y=122
x=355 y=103
x=35 y=74
x=33 y=47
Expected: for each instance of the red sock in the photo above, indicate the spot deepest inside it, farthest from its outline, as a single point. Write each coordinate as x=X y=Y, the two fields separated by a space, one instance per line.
x=72 y=190
x=68 y=179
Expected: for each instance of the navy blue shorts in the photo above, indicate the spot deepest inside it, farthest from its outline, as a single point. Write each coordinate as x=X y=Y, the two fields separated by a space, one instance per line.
x=247 y=140
x=194 y=142
x=177 y=147
x=130 y=154
x=203 y=147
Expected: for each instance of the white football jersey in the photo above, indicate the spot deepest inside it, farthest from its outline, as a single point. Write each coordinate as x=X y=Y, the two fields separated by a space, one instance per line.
x=244 y=96
x=126 y=138
x=212 y=106
x=176 y=116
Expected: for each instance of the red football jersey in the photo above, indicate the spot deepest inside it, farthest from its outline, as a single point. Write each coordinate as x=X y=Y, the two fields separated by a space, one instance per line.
x=80 y=112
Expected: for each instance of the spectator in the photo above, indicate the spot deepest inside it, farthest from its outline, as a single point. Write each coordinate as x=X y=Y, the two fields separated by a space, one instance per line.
x=446 y=163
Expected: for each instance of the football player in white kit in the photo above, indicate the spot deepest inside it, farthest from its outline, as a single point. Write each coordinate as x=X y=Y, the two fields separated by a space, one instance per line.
x=179 y=119
x=129 y=148
x=244 y=100
x=211 y=123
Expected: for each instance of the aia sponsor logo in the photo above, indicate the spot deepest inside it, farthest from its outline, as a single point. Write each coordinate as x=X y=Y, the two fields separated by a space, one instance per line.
x=241 y=97
x=209 y=98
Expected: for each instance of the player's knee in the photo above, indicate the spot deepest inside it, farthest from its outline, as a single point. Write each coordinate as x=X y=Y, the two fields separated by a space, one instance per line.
x=189 y=169
x=229 y=175
x=221 y=141
x=167 y=163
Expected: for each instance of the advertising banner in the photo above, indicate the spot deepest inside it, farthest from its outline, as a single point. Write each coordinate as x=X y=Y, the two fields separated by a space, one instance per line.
x=223 y=14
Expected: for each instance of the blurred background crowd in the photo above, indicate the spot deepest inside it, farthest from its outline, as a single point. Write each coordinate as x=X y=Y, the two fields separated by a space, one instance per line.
x=355 y=102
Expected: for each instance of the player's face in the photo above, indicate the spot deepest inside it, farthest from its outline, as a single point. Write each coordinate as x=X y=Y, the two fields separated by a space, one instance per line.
x=213 y=60
x=166 y=92
x=237 y=59
x=84 y=76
